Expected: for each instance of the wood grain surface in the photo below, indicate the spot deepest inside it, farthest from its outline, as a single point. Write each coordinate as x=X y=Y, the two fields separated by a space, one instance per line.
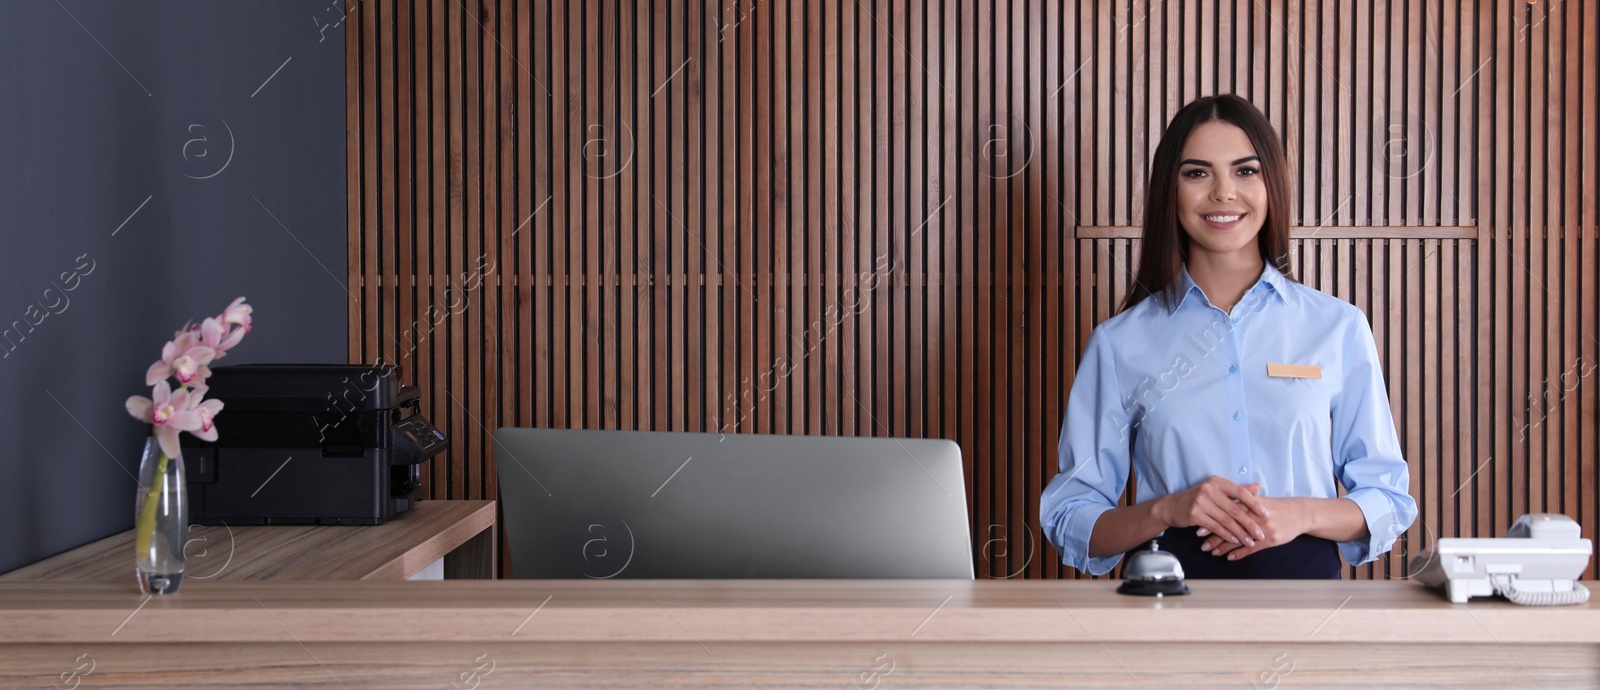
x=394 y=550
x=786 y=634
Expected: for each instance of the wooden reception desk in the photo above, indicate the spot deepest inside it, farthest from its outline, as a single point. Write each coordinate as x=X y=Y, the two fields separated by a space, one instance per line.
x=731 y=634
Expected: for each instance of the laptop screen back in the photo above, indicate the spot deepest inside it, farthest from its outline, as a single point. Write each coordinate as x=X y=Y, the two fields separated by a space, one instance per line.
x=641 y=504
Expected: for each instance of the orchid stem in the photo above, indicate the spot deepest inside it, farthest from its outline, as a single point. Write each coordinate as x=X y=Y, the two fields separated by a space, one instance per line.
x=144 y=531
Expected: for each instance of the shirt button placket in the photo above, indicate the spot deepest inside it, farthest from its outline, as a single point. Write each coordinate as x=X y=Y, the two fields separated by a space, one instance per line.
x=1238 y=434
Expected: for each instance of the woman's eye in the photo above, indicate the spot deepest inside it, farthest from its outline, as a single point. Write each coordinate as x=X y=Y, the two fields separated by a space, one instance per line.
x=1194 y=173
x=1249 y=171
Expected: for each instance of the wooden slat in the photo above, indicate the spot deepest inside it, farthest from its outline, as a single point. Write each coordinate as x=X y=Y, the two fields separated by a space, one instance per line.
x=849 y=216
x=371 y=184
x=1409 y=415
x=502 y=380
x=1363 y=151
x=388 y=206
x=994 y=290
x=753 y=160
x=1494 y=309
x=1566 y=197
x=601 y=101
x=1416 y=96
x=1541 y=398
x=1031 y=428
x=653 y=162
x=1057 y=267
x=432 y=378
x=1448 y=410
x=1330 y=92
x=479 y=196
x=683 y=103
x=355 y=188
x=808 y=366
x=407 y=188
x=980 y=292
x=1513 y=232
x=1426 y=38
x=1589 y=220
x=463 y=194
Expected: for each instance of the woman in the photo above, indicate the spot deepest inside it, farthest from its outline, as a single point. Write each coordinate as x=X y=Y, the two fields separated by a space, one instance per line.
x=1221 y=383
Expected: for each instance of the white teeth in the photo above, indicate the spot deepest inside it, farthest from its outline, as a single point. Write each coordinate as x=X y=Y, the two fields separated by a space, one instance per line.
x=1222 y=219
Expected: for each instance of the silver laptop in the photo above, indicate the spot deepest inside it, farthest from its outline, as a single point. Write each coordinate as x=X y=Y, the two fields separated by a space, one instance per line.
x=648 y=504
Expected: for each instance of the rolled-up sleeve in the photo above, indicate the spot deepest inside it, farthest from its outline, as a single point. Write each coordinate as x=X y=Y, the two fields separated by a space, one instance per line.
x=1366 y=450
x=1093 y=460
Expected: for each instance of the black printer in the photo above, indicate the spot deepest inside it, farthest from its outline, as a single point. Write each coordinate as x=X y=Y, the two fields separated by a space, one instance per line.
x=302 y=444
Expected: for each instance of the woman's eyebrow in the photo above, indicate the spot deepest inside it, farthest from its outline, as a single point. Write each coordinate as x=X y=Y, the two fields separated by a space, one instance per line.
x=1207 y=164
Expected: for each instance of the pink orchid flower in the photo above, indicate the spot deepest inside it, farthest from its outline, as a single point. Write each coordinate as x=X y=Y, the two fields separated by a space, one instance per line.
x=207 y=410
x=227 y=329
x=170 y=412
x=185 y=356
x=215 y=335
x=237 y=314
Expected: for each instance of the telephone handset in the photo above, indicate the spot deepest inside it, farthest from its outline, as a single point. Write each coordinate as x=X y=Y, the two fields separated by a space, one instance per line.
x=1537 y=563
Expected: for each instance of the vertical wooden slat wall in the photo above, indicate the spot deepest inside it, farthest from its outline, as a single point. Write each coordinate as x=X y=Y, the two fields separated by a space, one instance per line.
x=904 y=218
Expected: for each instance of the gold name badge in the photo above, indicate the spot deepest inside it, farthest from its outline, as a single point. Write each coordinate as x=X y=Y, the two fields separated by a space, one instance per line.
x=1294 y=371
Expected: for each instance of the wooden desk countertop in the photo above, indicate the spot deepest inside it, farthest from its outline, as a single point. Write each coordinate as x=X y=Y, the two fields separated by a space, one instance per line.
x=779 y=610
x=394 y=550
x=746 y=634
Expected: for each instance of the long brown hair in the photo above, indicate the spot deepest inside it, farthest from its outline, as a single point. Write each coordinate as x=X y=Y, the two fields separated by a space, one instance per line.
x=1166 y=246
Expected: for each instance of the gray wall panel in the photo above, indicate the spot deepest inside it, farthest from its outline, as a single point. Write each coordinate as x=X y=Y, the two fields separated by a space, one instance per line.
x=193 y=152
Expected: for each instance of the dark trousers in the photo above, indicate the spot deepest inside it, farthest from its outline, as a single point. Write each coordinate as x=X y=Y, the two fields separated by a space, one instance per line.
x=1305 y=558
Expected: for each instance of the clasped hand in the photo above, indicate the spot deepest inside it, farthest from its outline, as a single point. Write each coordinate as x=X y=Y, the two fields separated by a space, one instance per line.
x=1236 y=521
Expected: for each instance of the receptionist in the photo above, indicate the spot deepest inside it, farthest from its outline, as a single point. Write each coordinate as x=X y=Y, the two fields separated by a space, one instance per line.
x=1240 y=398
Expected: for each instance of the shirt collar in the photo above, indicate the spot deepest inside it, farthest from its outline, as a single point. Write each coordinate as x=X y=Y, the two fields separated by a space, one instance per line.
x=1271 y=280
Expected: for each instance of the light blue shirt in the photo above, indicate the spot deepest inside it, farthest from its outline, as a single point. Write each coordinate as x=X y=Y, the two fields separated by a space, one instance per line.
x=1188 y=384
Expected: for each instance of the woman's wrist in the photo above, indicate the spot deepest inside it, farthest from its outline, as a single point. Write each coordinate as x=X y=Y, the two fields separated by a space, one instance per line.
x=1301 y=515
x=1157 y=518
x=1338 y=519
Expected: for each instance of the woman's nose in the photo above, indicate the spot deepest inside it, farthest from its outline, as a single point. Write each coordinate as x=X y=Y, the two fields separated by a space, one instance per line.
x=1223 y=189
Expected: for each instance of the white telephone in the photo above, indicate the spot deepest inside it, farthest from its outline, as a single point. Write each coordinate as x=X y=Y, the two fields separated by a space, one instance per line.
x=1537 y=563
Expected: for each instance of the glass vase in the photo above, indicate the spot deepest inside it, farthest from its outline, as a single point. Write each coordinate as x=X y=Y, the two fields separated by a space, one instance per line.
x=161 y=521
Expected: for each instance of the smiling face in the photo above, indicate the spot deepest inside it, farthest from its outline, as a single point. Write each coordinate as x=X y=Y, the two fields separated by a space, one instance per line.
x=1221 y=195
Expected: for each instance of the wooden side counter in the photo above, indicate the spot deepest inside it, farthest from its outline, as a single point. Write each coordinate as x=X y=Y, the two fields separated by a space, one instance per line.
x=460 y=532
x=749 y=634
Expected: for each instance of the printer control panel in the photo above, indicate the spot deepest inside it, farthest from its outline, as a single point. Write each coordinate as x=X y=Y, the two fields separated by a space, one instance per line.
x=426 y=441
